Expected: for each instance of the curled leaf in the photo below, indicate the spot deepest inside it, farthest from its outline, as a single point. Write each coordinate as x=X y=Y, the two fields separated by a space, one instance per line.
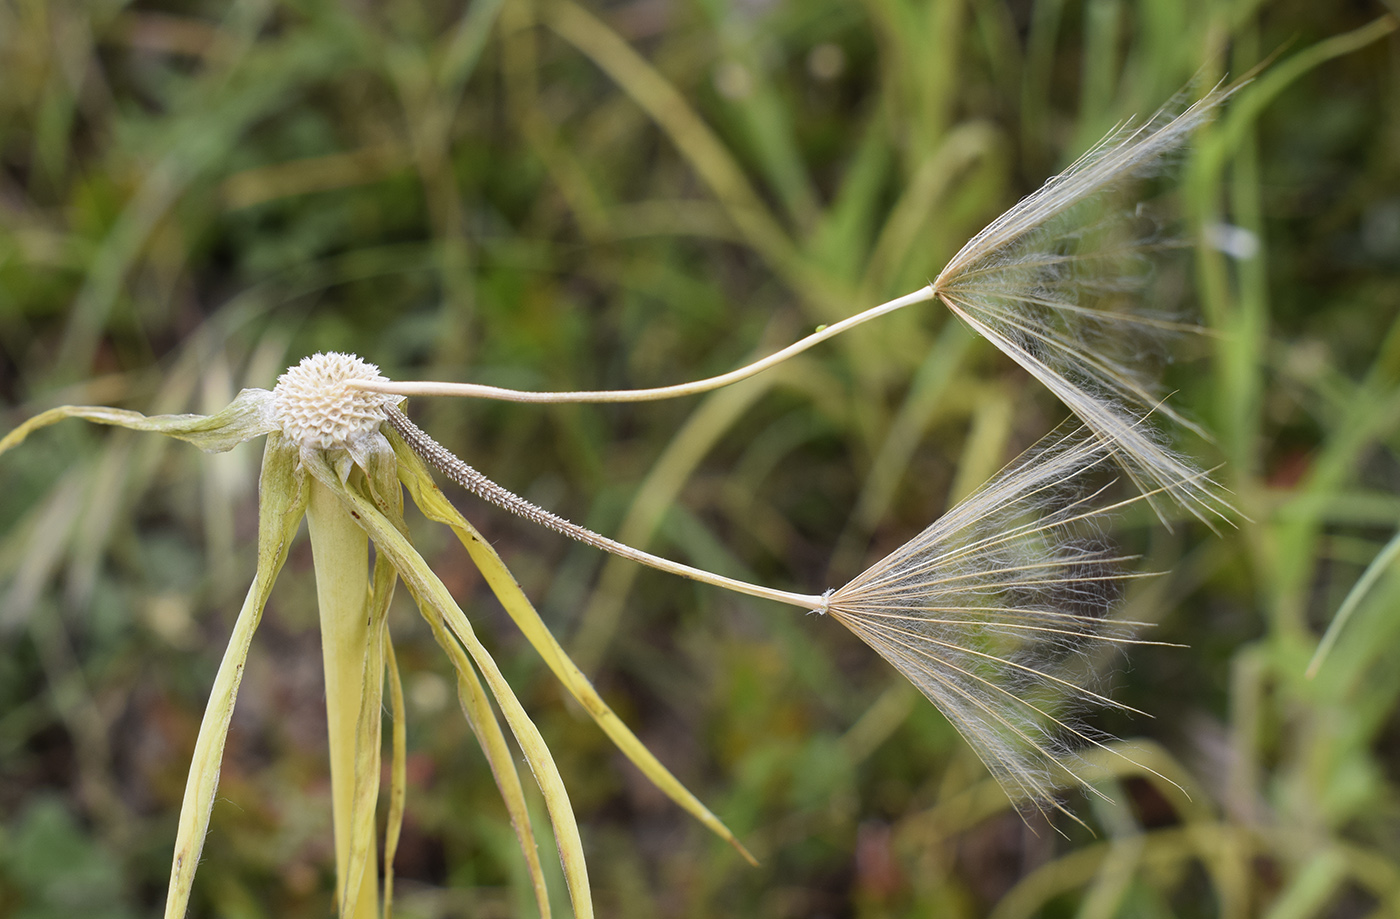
x=246 y=417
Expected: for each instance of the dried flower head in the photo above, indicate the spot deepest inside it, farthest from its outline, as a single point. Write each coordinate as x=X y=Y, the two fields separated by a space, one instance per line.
x=987 y=611
x=331 y=460
x=315 y=408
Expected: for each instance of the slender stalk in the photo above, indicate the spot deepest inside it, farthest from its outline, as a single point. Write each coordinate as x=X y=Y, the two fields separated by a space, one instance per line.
x=447 y=462
x=479 y=391
x=340 y=552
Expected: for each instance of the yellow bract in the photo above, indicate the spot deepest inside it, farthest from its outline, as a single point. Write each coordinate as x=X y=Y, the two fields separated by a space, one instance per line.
x=350 y=501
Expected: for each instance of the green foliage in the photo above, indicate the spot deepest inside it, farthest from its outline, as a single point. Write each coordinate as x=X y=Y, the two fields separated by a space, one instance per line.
x=527 y=194
x=52 y=868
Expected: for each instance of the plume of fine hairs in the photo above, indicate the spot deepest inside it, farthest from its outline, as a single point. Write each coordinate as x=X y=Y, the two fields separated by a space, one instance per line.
x=1051 y=282
x=995 y=610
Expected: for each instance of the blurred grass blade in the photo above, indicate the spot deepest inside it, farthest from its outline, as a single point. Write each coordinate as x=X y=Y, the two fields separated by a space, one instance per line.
x=749 y=90
x=687 y=130
x=903 y=238
x=429 y=591
x=38 y=546
x=926 y=396
x=1253 y=99
x=282 y=502
x=462 y=49
x=1314 y=887
x=1358 y=592
x=208 y=122
x=436 y=507
x=1235 y=294
x=715 y=416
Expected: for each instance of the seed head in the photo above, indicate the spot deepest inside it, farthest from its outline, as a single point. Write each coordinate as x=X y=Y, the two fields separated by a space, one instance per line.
x=316 y=409
x=995 y=610
x=1052 y=283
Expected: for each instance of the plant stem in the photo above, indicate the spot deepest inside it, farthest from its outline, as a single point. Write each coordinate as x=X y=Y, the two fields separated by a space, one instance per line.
x=448 y=463
x=481 y=391
x=340 y=552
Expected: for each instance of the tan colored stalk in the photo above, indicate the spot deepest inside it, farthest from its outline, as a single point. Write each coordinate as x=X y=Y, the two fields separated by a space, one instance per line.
x=479 y=391
x=450 y=465
x=340 y=551
x=1049 y=283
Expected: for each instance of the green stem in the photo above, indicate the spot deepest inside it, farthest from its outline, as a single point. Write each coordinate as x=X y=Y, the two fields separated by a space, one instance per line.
x=340 y=553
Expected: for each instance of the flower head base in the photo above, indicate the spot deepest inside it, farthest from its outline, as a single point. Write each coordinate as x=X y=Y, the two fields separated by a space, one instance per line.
x=316 y=409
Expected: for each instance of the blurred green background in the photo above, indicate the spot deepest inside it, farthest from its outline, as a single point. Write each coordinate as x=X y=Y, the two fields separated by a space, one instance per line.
x=555 y=195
